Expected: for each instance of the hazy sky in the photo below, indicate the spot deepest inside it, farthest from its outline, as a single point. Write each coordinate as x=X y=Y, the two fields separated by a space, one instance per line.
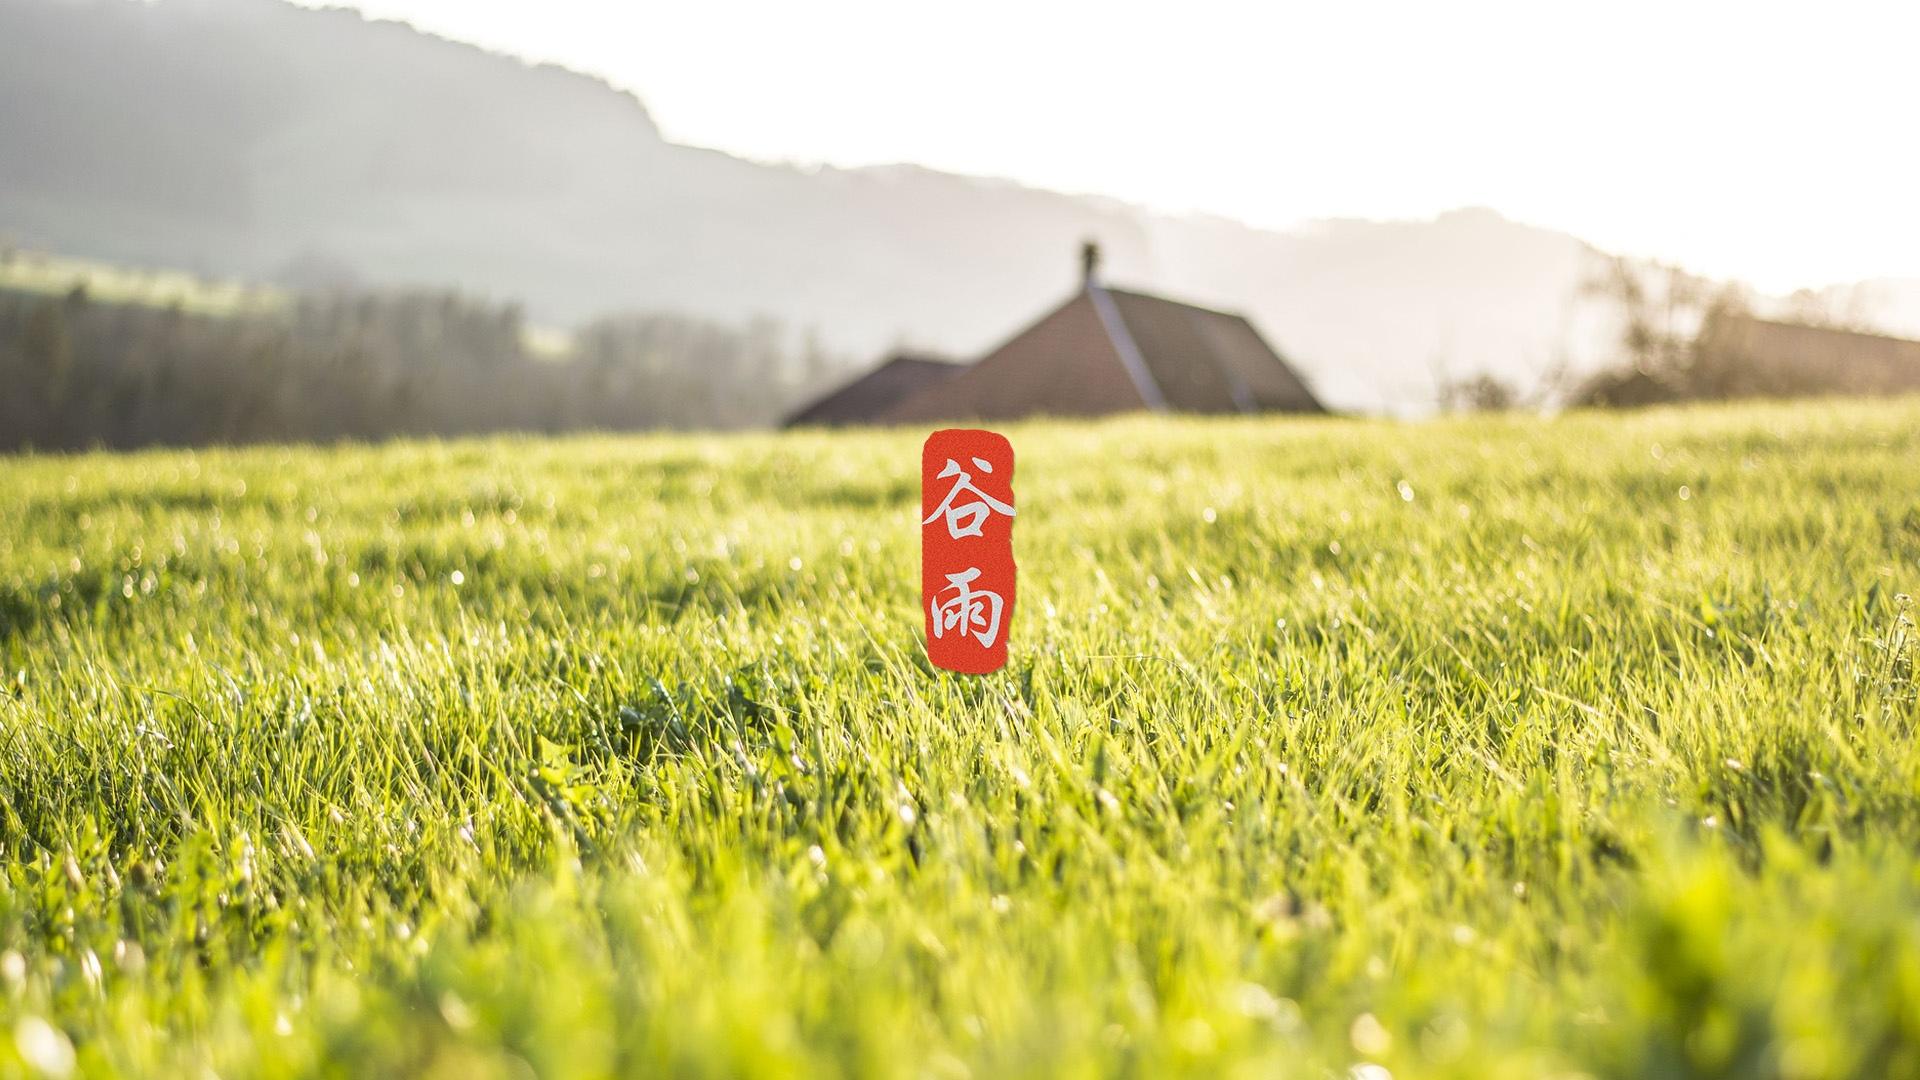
x=1775 y=142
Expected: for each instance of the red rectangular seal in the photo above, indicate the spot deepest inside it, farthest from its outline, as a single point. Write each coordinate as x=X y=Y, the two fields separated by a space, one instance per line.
x=966 y=548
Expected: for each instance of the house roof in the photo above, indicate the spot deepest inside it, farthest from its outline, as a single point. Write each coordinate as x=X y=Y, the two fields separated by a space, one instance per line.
x=867 y=396
x=1761 y=356
x=1204 y=360
x=1065 y=364
x=1111 y=350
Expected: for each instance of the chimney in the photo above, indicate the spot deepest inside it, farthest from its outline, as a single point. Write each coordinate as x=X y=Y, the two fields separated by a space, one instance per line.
x=1089 y=262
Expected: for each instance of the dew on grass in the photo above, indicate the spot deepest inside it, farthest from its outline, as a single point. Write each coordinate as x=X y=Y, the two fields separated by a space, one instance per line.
x=1369 y=1036
x=43 y=1047
x=455 y=1012
x=1417 y=742
x=129 y=957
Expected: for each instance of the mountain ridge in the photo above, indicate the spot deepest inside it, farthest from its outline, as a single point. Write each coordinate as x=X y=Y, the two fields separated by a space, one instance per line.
x=265 y=141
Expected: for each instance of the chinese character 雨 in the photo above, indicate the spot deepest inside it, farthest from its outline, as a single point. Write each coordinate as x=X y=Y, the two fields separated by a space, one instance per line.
x=973 y=513
x=969 y=611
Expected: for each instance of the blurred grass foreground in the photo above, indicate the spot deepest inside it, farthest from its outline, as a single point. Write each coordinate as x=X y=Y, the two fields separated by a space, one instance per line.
x=1480 y=748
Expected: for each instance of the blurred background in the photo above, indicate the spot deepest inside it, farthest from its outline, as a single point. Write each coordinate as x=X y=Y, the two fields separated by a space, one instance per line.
x=251 y=220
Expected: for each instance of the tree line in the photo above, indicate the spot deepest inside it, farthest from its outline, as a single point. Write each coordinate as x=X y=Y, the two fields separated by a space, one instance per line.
x=1669 y=346
x=78 y=373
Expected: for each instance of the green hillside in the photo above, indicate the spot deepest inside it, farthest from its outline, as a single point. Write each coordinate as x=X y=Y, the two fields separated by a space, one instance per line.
x=1481 y=748
x=54 y=275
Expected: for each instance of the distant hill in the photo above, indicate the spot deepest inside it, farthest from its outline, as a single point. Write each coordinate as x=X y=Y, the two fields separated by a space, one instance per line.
x=253 y=139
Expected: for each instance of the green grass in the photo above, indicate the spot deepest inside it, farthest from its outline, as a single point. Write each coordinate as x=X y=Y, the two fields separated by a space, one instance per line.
x=42 y=274
x=1478 y=748
x=110 y=283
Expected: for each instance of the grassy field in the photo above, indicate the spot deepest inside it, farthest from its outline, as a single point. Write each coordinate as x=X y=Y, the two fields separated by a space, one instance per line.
x=1478 y=748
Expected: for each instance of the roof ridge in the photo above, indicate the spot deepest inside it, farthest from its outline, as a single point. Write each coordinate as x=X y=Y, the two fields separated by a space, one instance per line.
x=1223 y=312
x=1122 y=340
x=1789 y=324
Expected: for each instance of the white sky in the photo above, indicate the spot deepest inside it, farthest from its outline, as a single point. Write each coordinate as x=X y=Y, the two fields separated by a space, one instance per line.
x=1779 y=143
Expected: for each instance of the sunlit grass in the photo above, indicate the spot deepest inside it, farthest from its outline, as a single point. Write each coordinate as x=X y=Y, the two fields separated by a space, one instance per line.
x=111 y=283
x=39 y=273
x=1502 y=747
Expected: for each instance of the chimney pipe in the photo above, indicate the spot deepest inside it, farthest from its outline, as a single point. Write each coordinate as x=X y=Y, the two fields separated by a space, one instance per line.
x=1089 y=262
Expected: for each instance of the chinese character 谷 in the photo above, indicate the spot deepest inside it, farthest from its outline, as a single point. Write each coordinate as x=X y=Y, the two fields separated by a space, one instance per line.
x=973 y=513
x=969 y=611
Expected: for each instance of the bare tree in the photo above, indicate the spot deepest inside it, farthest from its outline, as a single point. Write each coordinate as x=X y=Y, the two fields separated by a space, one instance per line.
x=1663 y=311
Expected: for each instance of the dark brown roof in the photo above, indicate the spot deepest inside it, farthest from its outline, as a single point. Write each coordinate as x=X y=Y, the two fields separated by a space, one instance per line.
x=1210 y=361
x=1758 y=356
x=1063 y=365
x=866 y=397
x=1109 y=350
